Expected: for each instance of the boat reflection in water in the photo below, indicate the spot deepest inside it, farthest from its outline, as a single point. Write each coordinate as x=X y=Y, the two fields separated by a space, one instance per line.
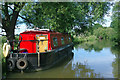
x=64 y=69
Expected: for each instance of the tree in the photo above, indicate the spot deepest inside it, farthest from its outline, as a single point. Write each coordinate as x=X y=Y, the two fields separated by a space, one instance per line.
x=9 y=18
x=63 y=17
x=116 y=20
x=105 y=33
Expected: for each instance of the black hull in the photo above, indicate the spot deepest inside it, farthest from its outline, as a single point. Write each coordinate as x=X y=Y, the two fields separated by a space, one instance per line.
x=41 y=61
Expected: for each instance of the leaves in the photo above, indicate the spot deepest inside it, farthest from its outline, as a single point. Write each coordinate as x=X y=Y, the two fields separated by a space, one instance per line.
x=116 y=20
x=63 y=17
x=105 y=33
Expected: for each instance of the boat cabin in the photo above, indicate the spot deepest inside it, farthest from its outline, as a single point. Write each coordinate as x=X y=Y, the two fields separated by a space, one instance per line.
x=42 y=41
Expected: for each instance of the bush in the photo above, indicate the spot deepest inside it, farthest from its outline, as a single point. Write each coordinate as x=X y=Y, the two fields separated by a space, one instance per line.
x=105 y=33
x=4 y=39
x=91 y=38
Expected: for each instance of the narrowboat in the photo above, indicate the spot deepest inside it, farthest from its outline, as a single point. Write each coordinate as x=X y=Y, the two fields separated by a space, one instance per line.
x=39 y=50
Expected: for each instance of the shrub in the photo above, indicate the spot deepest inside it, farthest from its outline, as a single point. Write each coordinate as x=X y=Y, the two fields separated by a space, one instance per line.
x=91 y=38
x=105 y=33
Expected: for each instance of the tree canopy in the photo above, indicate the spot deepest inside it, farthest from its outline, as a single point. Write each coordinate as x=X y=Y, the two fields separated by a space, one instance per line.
x=63 y=17
x=58 y=16
x=116 y=20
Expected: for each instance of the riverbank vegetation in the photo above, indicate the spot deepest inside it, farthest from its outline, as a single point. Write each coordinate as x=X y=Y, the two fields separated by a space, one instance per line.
x=99 y=33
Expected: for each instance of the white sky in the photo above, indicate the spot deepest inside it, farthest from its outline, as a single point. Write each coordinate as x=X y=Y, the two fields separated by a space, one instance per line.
x=22 y=28
x=108 y=18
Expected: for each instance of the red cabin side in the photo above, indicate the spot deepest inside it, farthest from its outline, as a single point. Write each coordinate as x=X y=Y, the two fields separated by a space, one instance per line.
x=54 y=40
x=28 y=40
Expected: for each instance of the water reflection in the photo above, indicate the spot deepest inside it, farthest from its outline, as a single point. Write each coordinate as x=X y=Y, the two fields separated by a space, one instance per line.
x=102 y=56
x=91 y=60
x=95 y=45
x=116 y=51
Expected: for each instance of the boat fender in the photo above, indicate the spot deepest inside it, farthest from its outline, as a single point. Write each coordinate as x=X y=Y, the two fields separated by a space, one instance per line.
x=11 y=64
x=22 y=63
x=6 y=48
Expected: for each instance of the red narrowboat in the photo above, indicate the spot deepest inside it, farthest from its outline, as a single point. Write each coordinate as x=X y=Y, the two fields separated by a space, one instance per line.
x=38 y=50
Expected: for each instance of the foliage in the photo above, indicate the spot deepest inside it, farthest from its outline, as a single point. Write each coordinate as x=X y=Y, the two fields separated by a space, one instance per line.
x=4 y=39
x=82 y=38
x=63 y=17
x=99 y=33
x=105 y=33
x=96 y=26
x=116 y=20
x=91 y=38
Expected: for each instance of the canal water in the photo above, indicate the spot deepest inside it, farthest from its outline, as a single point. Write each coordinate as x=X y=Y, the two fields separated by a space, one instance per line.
x=98 y=59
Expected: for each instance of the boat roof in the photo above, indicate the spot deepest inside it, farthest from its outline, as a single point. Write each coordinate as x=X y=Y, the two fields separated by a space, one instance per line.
x=41 y=32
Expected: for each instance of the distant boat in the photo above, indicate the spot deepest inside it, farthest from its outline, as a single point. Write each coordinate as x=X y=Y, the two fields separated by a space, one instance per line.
x=39 y=50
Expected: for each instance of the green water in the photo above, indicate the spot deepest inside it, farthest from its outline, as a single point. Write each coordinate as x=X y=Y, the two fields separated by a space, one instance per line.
x=98 y=59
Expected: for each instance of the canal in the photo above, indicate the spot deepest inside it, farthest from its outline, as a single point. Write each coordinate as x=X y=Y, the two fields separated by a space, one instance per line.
x=98 y=59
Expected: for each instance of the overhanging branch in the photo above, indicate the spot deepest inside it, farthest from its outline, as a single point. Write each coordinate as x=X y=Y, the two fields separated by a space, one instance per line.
x=10 y=8
x=25 y=19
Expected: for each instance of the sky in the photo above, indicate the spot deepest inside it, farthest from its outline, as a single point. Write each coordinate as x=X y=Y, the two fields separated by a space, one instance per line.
x=108 y=18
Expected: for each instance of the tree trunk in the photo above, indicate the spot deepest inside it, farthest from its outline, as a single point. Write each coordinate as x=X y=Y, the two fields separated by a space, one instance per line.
x=10 y=22
x=10 y=36
x=10 y=29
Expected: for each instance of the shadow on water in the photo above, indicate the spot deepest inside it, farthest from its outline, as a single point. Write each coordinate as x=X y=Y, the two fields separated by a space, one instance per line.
x=97 y=59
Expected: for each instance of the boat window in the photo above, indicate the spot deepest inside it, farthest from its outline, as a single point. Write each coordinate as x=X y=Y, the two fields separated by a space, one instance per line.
x=55 y=42
x=62 y=40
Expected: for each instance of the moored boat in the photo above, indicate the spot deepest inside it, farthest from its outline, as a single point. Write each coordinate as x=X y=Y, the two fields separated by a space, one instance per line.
x=39 y=50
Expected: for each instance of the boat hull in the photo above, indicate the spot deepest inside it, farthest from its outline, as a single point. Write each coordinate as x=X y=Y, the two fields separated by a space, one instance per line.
x=40 y=61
